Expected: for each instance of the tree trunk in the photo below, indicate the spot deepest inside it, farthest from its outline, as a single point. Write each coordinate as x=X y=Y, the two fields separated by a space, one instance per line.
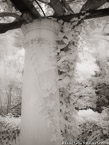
x=9 y=100
x=40 y=103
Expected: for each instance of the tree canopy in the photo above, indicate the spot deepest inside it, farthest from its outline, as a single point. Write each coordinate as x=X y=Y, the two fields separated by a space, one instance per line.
x=27 y=10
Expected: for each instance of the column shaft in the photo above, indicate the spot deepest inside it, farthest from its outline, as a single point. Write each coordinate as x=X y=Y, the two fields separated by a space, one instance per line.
x=40 y=101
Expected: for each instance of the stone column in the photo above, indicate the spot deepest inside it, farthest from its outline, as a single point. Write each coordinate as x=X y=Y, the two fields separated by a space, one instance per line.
x=40 y=101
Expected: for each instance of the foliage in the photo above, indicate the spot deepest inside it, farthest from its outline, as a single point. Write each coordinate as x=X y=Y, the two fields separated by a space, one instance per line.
x=9 y=130
x=78 y=94
x=67 y=54
x=11 y=74
x=94 y=129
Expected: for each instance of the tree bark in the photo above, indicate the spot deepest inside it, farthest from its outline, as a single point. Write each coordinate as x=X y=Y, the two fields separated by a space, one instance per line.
x=40 y=103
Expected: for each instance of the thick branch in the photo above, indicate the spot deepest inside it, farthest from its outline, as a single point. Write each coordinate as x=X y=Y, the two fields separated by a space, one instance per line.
x=4 y=27
x=26 y=6
x=92 y=14
x=7 y=14
x=32 y=9
x=93 y=4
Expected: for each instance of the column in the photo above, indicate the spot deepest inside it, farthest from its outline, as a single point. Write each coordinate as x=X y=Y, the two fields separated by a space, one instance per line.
x=40 y=101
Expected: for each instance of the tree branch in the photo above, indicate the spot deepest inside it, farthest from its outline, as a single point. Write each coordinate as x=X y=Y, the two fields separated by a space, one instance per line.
x=16 y=106
x=40 y=7
x=32 y=9
x=47 y=3
x=4 y=27
x=91 y=14
x=8 y=14
x=93 y=4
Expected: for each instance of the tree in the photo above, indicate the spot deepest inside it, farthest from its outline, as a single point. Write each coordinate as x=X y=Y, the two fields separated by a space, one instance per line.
x=11 y=66
x=40 y=72
x=59 y=8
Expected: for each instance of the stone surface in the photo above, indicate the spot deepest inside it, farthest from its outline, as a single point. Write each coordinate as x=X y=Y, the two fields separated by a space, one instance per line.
x=40 y=103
